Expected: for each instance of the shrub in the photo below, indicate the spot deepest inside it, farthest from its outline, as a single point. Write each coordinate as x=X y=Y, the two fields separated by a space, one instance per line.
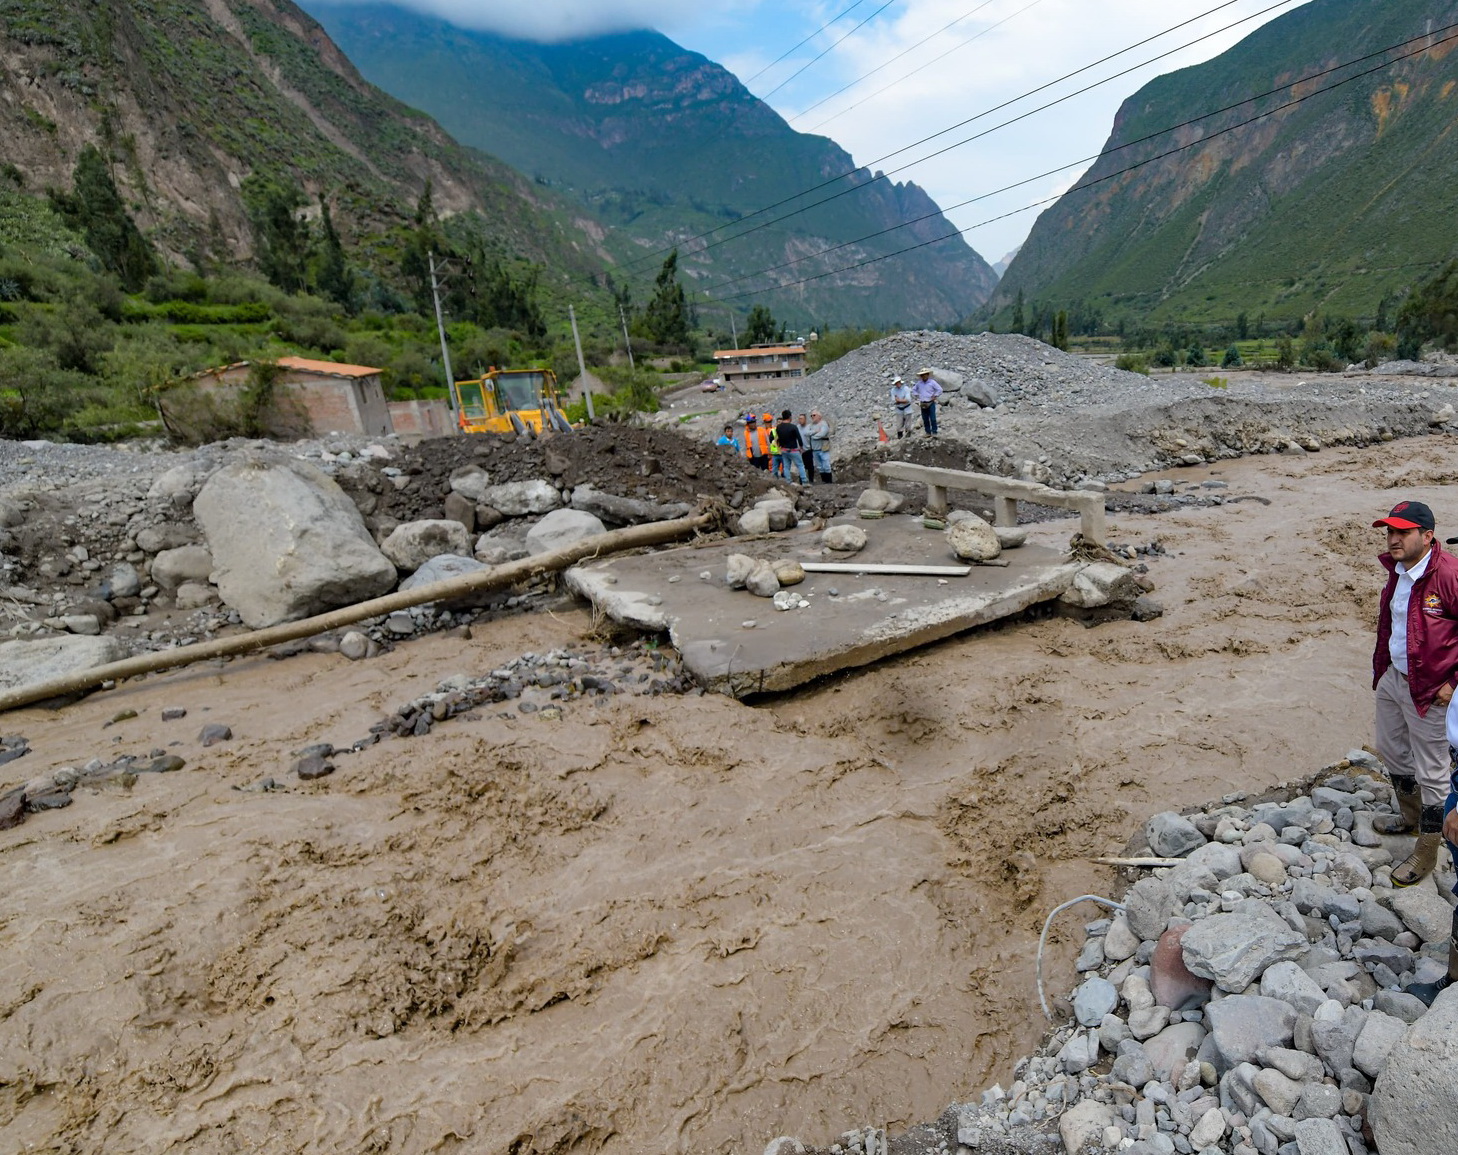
x=1380 y=348
x=1133 y=363
x=1232 y=358
x=1196 y=357
x=1216 y=382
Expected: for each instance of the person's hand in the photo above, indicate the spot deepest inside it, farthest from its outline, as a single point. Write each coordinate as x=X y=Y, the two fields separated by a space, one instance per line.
x=1450 y=827
x=1444 y=695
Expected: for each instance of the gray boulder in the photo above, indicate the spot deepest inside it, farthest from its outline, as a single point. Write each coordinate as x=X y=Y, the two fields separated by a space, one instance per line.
x=472 y=484
x=1412 y=1109
x=1380 y=1033
x=980 y=391
x=1010 y=536
x=520 y=498
x=1289 y=983
x=180 y=484
x=561 y=528
x=124 y=581
x=1094 y=998
x=188 y=563
x=973 y=539
x=1149 y=906
x=1099 y=584
x=1172 y=835
x=411 y=545
x=753 y=522
x=1425 y=912
x=1323 y=1137
x=441 y=568
x=1173 y=1047
x=844 y=538
x=615 y=510
x=1243 y=1026
x=26 y=663
x=287 y=542
x=1234 y=949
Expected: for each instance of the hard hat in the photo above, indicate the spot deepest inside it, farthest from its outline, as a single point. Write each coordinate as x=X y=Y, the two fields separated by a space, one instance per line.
x=769 y=417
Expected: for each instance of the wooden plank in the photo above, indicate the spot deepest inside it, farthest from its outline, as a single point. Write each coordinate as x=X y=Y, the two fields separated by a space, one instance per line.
x=870 y=567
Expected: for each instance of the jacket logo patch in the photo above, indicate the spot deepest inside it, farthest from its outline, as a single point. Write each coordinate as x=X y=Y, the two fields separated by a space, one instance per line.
x=1433 y=604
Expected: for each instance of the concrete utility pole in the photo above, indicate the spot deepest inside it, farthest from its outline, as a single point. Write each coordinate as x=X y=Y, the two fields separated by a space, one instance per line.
x=628 y=341
x=445 y=352
x=734 y=328
x=581 y=365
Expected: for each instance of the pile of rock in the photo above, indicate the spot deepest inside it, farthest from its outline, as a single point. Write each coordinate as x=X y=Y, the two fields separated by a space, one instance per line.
x=1251 y=998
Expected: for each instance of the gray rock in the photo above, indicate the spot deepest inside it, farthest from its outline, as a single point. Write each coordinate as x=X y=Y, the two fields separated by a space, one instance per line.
x=25 y=663
x=1424 y=911
x=1120 y=942
x=561 y=528
x=1297 y=1066
x=1278 y=1092
x=1147 y=1022
x=762 y=581
x=1289 y=983
x=1148 y=906
x=444 y=567
x=520 y=498
x=179 y=484
x=1094 y=998
x=471 y=483
x=737 y=568
x=411 y=545
x=194 y=595
x=1173 y=1047
x=1132 y=1065
x=123 y=581
x=88 y=624
x=188 y=563
x=287 y=542
x=780 y=512
x=1172 y=835
x=1399 y=1005
x=844 y=538
x=878 y=501
x=1318 y=1101
x=1010 y=536
x=1374 y=1044
x=354 y=645
x=1412 y=1105
x=1334 y=1042
x=1209 y=1130
x=616 y=510
x=1080 y=1052
x=972 y=539
x=1102 y=583
x=1234 y=949
x=754 y=522
x=1320 y=1137
x=1379 y=922
x=1222 y=861
x=213 y=733
x=1083 y=1124
x=1113 y=1031
x=1242 y=1026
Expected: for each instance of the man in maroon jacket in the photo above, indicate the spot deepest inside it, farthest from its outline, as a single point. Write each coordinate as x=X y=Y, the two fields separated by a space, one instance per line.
x=1414 y=670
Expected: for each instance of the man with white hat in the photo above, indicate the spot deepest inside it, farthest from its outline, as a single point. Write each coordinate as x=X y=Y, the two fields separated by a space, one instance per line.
x=901 y=399
x=927 y=391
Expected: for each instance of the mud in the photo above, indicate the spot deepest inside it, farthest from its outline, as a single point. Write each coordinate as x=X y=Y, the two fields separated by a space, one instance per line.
x=675 y=923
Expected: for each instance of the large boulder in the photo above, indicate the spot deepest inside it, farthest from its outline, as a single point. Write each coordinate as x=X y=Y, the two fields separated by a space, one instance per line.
x=973 y=539
x=188 y=563
x=617 y=510
x=29 y=662
x=411 y=545
x=520 y=498
x=287 y=542
x=844 y=538
x=1102 y=583
x=443 y=567
x=1412 y=1109
x=561 y=528
x=1235 y=949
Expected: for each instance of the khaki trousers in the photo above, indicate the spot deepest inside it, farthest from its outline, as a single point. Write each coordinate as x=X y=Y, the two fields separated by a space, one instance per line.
x=1412 y=746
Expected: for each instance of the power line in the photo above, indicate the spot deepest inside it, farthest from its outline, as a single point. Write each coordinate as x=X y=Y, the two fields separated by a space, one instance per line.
x=1108 y=176
x=924 y=140
x=904 y=52
x=889 y=173
x=828 y=50
x=812 y=36
x=1083 y=160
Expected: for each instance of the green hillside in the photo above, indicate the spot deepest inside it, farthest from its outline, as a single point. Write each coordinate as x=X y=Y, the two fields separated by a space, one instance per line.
x=659 y=144
x=1328 y=205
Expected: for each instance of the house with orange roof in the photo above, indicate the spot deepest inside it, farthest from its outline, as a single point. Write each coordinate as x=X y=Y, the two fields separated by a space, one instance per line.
x=309 y=398
x=760 y=363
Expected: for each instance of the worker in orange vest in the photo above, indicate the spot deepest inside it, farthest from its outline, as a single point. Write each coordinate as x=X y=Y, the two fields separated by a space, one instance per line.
x=756 y=442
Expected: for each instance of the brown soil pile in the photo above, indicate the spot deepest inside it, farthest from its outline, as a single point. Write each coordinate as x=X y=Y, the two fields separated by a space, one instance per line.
x=675 y=923
x=654 y=464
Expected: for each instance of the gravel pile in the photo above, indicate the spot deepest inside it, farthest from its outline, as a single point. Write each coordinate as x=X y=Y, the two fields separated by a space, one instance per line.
x=1061 y=419
x=46 y=465
x=1251 y=999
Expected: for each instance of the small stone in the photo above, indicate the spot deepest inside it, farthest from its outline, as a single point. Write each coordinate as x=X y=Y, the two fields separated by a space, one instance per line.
x=762 y=581
x=173 y=713
x=167 y=764
x=1279 y=1093
x=213 y=733
x=1209 y=1130
x=1318 y=1101
x=354 y=645
x=1172 y=835
x=1320 y=1137
x=1094 y=998
x=313 y=766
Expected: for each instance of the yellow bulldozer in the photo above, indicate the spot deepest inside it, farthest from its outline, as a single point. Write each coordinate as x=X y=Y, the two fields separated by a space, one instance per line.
x=510 y=400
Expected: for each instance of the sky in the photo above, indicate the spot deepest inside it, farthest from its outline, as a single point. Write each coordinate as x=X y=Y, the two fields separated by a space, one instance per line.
x=935 y=63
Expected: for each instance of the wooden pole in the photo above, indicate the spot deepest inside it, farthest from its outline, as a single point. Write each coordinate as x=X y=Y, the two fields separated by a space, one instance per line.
x=497 y=577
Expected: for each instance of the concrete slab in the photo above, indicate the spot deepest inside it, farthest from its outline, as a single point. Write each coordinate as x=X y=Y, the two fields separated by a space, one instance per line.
x=868 y=618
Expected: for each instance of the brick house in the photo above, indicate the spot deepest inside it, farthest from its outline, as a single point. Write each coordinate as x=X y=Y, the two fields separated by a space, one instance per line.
x=760 y=363
x=311 y=397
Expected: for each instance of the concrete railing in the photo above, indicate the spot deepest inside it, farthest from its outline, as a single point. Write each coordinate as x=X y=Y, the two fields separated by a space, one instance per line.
x=1005 y=492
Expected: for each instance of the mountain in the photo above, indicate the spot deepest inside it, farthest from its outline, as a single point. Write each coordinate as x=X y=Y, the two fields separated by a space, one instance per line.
x=660 y=143
x=1326 y=205
x=188 y=99
x=1000 y=267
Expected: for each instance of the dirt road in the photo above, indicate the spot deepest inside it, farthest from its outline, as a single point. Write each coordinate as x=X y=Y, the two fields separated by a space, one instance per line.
x=668 y=924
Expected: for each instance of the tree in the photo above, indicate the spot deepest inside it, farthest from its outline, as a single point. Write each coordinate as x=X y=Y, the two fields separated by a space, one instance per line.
x=761 y=328
x=1060 y=330
x=282 y=240
x=1019 y=314
x=36 y=394
x=1285 y=352
x=332 y=275
x=1242 y=327
x=665 y=317
x=95 y=208
x=1232 y=359
x=1196 y=356
x=1430 y=313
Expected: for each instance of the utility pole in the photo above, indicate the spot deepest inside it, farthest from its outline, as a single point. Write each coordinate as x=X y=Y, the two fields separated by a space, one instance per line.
x=734 y=328
x=445 y=351
x=628 y=341
x=582 y=365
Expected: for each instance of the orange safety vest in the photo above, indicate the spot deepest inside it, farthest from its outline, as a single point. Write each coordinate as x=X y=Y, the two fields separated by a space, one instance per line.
x=760 y=435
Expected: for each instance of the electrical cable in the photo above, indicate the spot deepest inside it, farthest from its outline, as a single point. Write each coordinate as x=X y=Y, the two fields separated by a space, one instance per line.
x=1083 y=186
x=812 y=36
x=1088 y=159
x=828 y=50
x=986 y=112
x=1043 y=939
x=887 y=64
x=889 y=173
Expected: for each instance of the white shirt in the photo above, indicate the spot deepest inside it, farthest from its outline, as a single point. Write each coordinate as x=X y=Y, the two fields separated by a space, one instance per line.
x=1406 y=578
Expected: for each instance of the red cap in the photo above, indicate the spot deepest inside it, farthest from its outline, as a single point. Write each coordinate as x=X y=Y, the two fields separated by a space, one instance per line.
x=1408 y=515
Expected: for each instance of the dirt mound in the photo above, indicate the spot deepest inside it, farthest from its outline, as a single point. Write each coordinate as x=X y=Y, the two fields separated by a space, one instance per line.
x=653 y=464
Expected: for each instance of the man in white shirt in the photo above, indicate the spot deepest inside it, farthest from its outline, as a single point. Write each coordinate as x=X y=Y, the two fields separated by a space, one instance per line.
x=1414 y=670
x=901 y=405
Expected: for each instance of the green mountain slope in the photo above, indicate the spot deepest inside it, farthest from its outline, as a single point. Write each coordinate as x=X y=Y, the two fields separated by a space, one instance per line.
x=187 y=99
x=1327 y=205
x=661 y=143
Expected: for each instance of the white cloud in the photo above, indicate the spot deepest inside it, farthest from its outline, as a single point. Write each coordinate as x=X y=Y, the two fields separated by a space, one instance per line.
x=550 y=20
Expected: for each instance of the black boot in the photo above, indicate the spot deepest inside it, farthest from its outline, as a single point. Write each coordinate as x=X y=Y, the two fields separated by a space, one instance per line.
x=1427 y=992
x=1424 y=857
x=827 y=478
x=1408 y=805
